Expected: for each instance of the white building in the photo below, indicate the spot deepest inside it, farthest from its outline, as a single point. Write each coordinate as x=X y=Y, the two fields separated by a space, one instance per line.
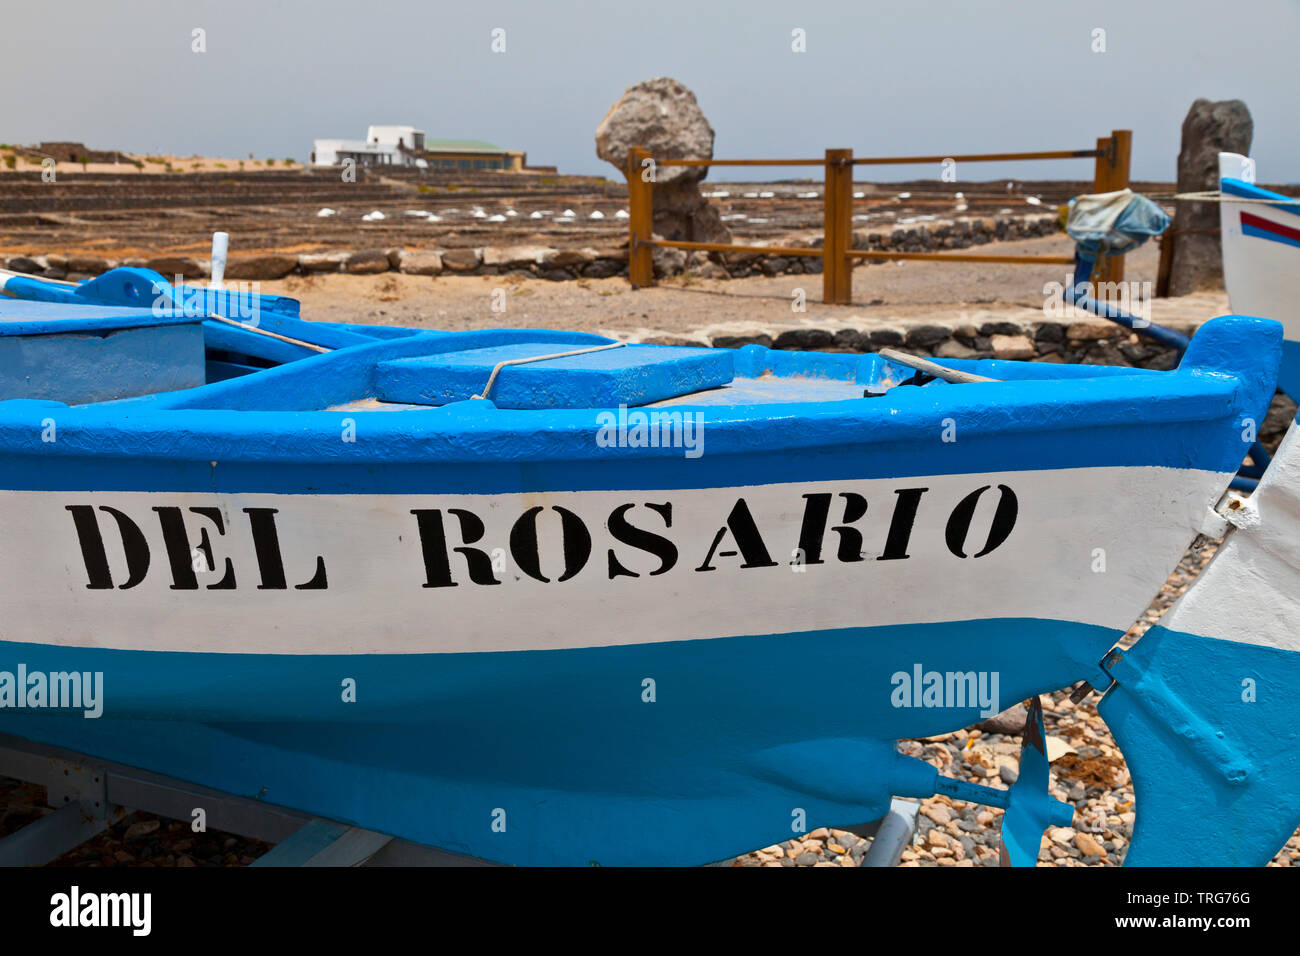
x=383 y=146
x=407 y=136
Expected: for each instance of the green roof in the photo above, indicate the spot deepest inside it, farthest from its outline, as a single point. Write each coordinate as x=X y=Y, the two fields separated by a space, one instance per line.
x=461 y=146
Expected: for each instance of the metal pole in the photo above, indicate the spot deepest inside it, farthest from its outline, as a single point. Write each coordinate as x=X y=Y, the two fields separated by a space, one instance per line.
x=894 y=834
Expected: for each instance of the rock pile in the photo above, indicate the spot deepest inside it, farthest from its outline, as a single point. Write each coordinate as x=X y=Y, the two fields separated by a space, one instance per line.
x=1082 y=341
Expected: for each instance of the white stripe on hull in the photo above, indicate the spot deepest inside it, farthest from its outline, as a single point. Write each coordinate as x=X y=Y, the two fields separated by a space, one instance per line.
x=1133 y=521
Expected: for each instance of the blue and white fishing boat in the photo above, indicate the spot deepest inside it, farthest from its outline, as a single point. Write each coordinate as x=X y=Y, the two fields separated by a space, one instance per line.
x=543 y=597
x=1261 y=256
x=1204 y=707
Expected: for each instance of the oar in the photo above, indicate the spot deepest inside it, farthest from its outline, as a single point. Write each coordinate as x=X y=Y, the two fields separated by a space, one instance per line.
x=933 y=369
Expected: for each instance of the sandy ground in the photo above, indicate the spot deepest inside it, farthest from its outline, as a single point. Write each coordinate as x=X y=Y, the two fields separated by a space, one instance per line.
x=690 y=307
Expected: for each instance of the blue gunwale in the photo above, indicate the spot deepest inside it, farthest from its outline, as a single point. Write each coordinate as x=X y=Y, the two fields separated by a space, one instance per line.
x=216 y=438
x=1245 y=190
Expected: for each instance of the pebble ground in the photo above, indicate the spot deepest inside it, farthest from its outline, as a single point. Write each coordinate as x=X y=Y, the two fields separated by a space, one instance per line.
x=1093 y=777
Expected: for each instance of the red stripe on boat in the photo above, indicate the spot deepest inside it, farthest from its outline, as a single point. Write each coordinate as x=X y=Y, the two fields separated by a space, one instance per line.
x=1268 y=225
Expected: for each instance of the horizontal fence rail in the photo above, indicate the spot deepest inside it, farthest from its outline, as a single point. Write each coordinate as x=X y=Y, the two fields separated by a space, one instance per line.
x=1112 y=155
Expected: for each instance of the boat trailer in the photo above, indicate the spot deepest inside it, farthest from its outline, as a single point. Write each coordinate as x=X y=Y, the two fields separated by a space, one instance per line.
x=89 y=795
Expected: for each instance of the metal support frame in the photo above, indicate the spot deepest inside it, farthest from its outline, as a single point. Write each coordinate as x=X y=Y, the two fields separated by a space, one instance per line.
x=92 y=794
x=892 y=833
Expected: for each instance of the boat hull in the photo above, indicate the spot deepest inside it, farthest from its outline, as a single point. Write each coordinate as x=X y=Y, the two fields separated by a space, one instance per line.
x=589 y=717
x=1261 y=259
x=569 y=757
x=494 y=632
x=1204 y=705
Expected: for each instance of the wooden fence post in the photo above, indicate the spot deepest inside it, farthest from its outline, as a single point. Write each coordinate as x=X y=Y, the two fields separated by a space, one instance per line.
x=640 y=222
x=1112 y=173
x=837 y=268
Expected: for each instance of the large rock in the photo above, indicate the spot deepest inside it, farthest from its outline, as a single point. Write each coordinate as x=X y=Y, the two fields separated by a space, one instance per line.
x=25 y=264
x=367 y=262
x=89 y=265
x=567 y=258
x=170 y=266
x=516 y=257
x=422 y=262
x=663 y=116
x=310 y=262
x=462 y=260
x=257 y=268
x=1210 y=128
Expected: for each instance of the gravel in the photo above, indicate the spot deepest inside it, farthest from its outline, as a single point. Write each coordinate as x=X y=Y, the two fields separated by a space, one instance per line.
x=1094 y=778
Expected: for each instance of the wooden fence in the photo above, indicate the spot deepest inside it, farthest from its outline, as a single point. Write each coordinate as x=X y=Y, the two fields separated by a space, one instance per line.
x=1112 y=155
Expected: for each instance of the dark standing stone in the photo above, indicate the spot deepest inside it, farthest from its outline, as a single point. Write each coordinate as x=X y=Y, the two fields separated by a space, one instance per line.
x=1210 y=128
x=884 y=338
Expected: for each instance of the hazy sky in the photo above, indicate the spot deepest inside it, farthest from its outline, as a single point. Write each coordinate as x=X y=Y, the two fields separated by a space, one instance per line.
x=890 y=78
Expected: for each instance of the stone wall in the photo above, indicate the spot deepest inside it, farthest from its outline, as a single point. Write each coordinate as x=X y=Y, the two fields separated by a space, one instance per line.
x=1082 y=341
x=546 y=262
